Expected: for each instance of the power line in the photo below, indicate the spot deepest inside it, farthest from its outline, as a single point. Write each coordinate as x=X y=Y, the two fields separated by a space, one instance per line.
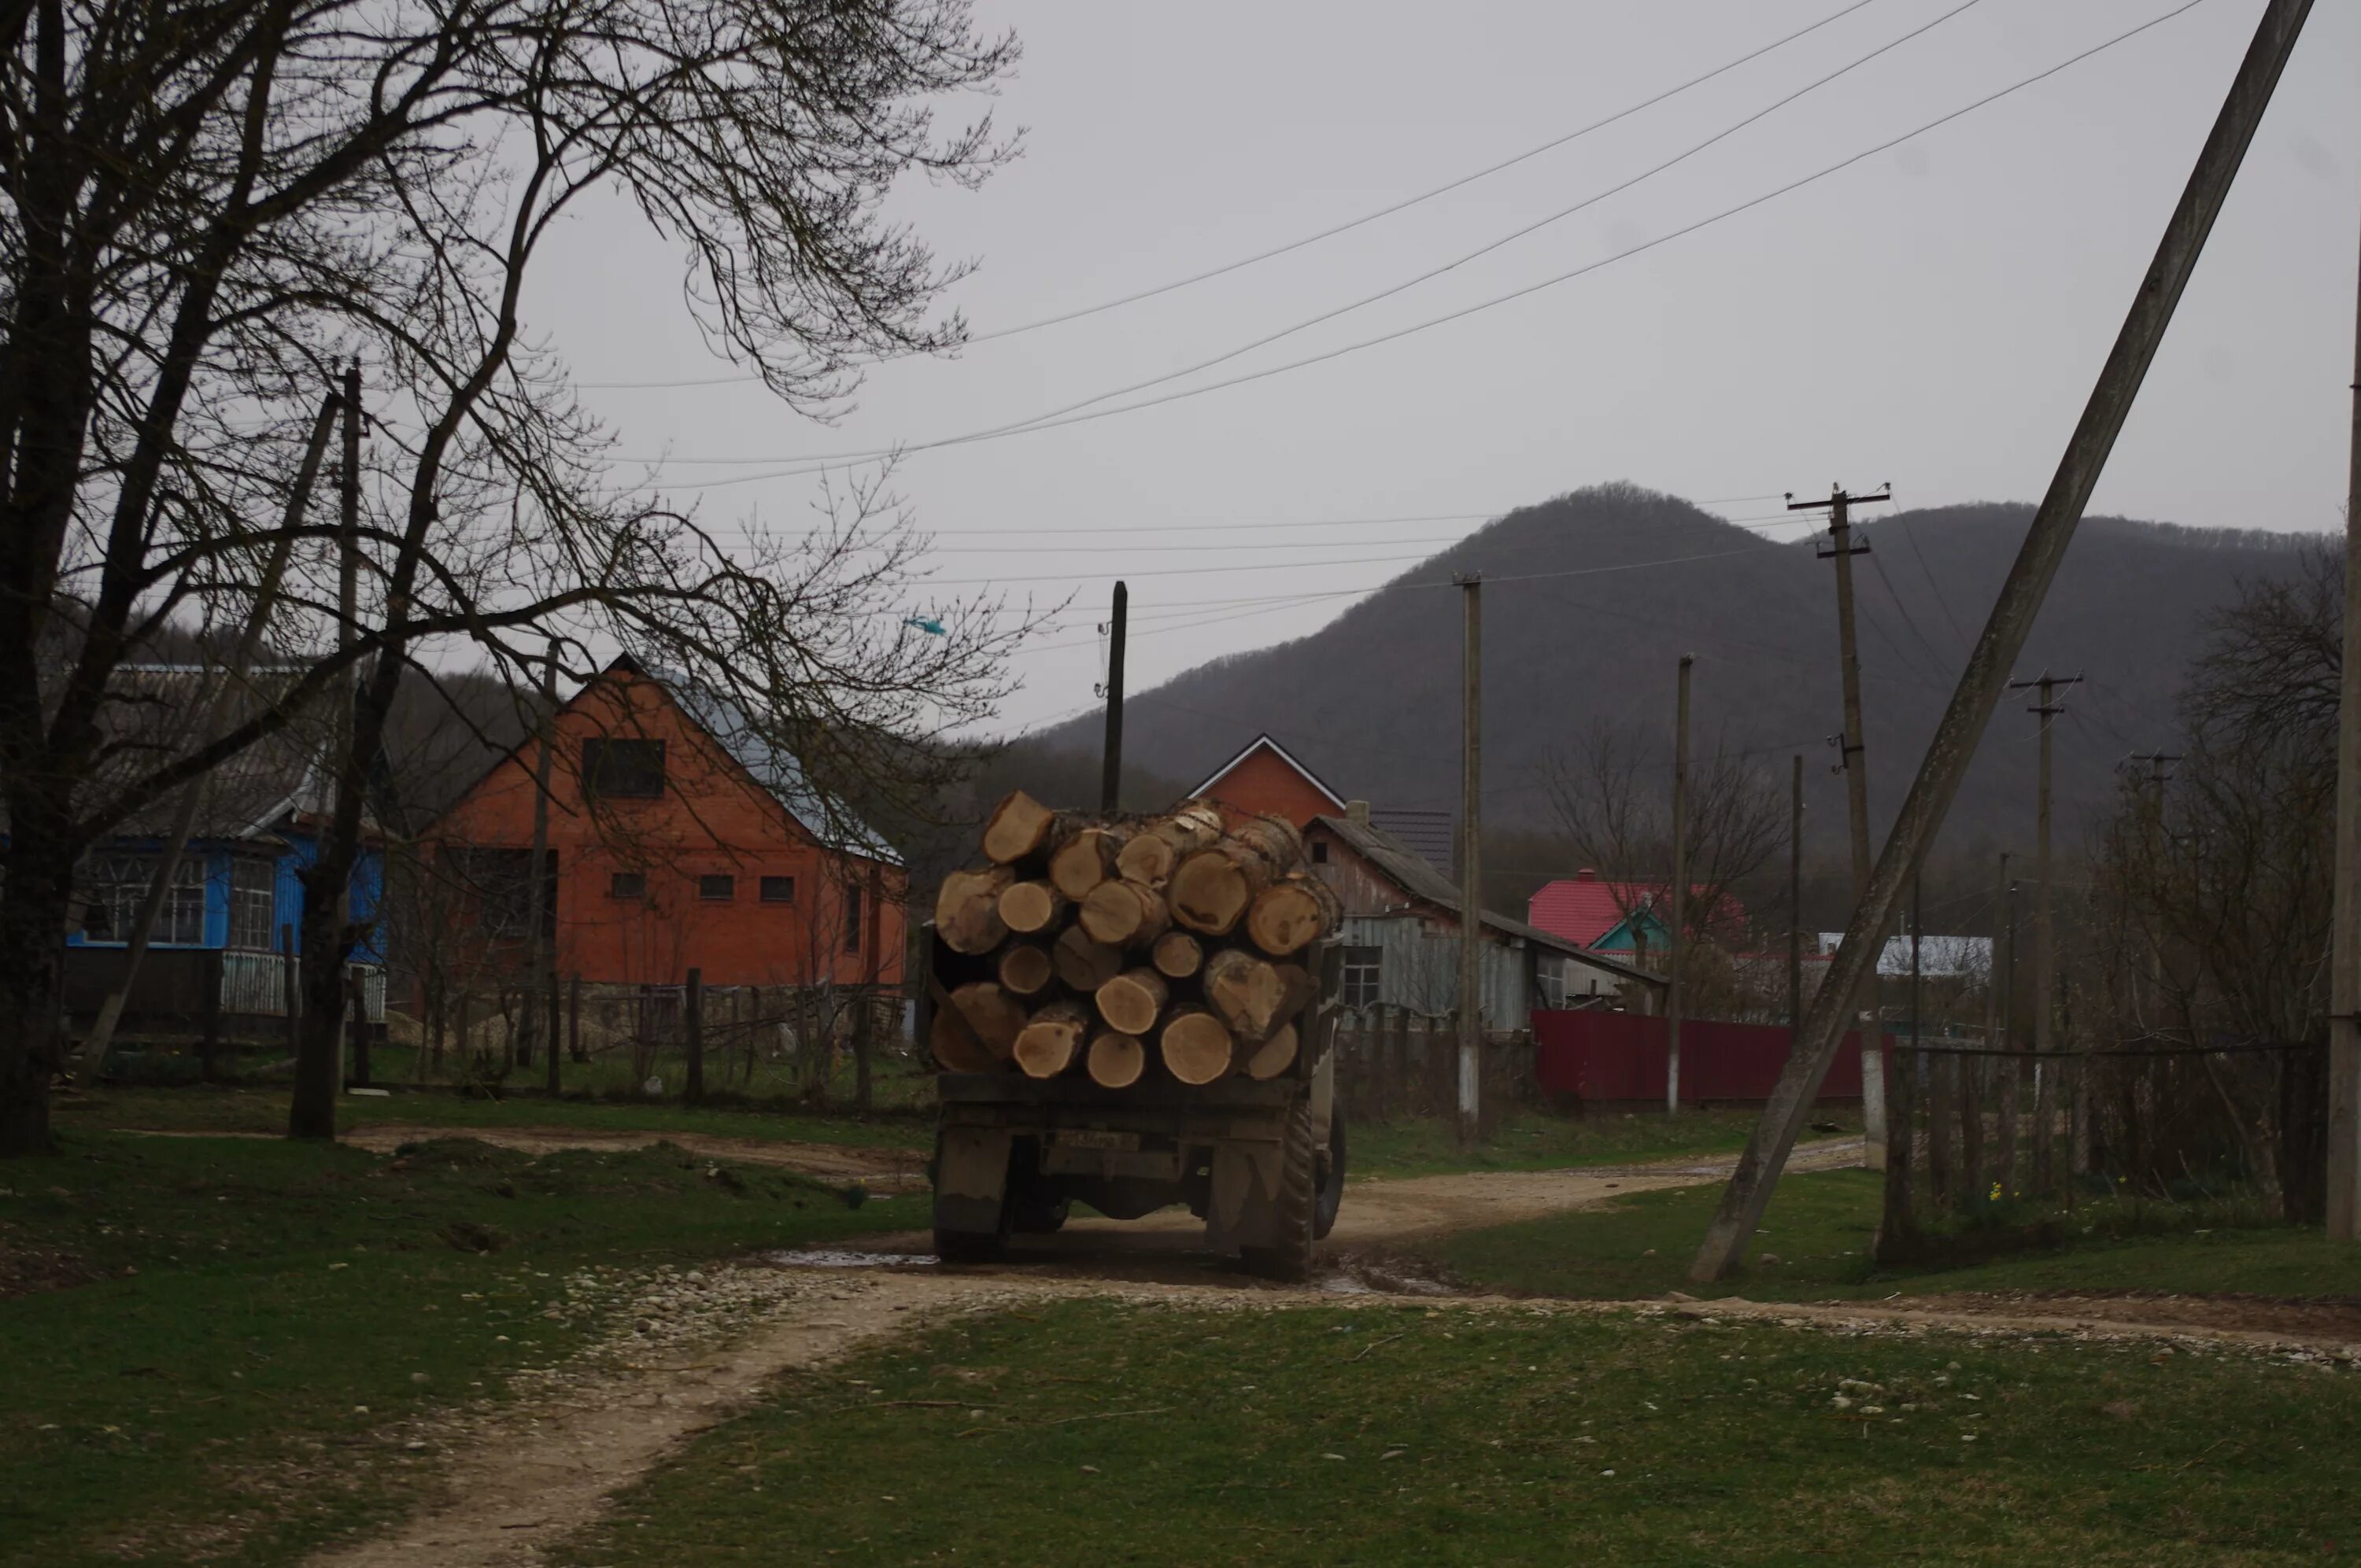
x=1404 y=204
x=1431 y=273
x=818 y=464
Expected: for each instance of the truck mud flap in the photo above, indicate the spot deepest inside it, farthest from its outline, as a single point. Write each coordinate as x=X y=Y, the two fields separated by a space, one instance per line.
x=971 y=1179
x=1242 y=1208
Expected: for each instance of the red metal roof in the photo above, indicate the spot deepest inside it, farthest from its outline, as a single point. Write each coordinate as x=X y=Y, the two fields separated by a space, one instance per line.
x=1581 y=908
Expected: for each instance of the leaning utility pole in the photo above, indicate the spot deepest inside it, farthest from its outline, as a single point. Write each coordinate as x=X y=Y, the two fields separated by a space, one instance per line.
x=2345 y=945
x=2044 y=945
x=1673 y=997
x=1471 y=881
x=1855 y=768
x=1110 y=773
x=2002 y=638
x=1795 y=902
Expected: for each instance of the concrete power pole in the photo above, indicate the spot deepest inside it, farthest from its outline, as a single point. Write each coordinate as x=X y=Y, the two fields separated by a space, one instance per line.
x=1471 y=838
x=2345 y=946
x=1674 y=998
x=1842 y=550
x=1997 y=647
x=2044 y=945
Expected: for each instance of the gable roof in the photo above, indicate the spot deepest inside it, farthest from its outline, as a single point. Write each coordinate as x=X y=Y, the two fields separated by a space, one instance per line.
x=1415 y=876
x=828 y=819
x=1261 y=742
x=1585 y=909
x=247 y=796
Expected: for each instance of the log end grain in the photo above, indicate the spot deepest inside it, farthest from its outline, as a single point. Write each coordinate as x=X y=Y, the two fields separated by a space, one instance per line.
x=1274 y=1055
x=1116 y=1061
x=1024 y=969
x=1196 y=1046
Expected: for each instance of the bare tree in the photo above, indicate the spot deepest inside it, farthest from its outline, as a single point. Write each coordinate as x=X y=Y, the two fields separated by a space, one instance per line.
x=210 y=207
x=1611 y=794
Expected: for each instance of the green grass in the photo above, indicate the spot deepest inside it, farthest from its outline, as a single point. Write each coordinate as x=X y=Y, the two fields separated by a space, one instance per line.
x=263 y=1109
x=257 y=1320
x=1531 y=1141
x=1092 y=1432
x=1819 y=1225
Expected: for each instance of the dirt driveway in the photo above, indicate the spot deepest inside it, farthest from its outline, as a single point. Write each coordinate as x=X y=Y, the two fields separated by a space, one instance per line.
x=883 y=1170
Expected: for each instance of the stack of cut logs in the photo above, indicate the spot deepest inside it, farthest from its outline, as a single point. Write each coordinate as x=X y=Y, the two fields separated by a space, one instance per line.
x=1106 y=946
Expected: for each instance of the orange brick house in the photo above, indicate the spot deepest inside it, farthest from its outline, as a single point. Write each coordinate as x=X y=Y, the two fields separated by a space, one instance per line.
x=678 y=840
x=1264 y=780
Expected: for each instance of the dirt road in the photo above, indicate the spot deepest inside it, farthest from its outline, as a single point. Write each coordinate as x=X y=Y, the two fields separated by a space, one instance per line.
x=881 y=1169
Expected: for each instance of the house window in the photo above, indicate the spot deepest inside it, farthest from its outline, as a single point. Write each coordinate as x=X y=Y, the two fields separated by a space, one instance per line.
x=623 y=770
x=627 y=884
x=852 y=919
x=500 y=882
x=778 y=890
x=253 y=903
x=118 y=883
x=716 y=889
x=1360 y=977
x=1320 y=851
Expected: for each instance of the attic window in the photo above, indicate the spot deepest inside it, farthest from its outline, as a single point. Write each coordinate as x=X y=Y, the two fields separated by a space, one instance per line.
x=1319 y=851
x=623 y=770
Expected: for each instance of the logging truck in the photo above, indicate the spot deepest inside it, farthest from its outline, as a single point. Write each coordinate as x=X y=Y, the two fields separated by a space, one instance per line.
x=1133 y=1015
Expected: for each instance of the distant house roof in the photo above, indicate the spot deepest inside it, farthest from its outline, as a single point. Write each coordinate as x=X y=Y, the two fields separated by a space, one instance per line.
x=1583 y=909
x=1940 y=958
x=248 y=795
x=1262 y=742
x=1410 y=871
x=826 y=817
x=1431 y=833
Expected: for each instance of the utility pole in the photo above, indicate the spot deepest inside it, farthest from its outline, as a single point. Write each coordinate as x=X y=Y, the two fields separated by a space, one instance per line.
x=1795 y=902
x=1898 y=1227
x=1995 y=1023
x=2045 y=944
x=2011 y=1081
x=1855 y=767
x=2047 y=540
x=1471 y=880
x=1111 y=777
x=538 y=913
x=349 y=769
x=1672 y=996
x=2344 y=943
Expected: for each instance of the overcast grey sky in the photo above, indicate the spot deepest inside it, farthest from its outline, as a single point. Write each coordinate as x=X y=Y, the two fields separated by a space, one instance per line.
x=1931 y=315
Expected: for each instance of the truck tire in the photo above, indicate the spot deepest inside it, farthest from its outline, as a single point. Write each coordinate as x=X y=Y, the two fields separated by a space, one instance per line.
x=1033 y=1213
x=1297 y=1205
x=1331 y=1177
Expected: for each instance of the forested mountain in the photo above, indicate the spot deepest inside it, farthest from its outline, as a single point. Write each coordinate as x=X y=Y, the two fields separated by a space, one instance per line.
x=1584 y=620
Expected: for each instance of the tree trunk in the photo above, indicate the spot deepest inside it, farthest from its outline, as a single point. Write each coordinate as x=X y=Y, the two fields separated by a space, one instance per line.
x=1049 y=1044
x=1025 y=968
x=1082 y=963
x=1019 y=827
x=967 y=910
x=1254 y=996
x=1030 y=908
x=323 y=943
x=1116 y=1060
x=33 y=917
x=1178 y=955
x=1130 y=1002
x=1288 y=916
x=1124 y=913
x=1211 y=889
x=1086 y=859
x=1196 y=1045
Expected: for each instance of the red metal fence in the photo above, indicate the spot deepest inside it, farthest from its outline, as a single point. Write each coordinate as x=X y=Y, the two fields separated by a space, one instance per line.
x=1607 y=1057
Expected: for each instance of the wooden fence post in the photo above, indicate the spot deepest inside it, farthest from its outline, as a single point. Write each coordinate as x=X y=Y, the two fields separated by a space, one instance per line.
x=356 y=1024
x=459 y=1027
x=574 y=1019
x=692 y=1005
x=290 y=990
x=209 y=1039
x=863 y=1022
x=549 y=1011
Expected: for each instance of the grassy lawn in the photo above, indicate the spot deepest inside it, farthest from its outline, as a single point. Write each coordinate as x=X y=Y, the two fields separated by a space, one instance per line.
x=215 y=1108
x=1092 y=1432
x=249 y=1325
x=1818 y=1227
x=1529 y=1141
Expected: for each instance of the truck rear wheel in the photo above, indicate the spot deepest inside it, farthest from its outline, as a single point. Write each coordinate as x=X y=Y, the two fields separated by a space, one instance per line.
x=1331 y=1177
x=1297 y=1205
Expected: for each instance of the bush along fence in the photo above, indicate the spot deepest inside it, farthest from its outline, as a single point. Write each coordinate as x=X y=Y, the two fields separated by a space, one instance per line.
x=1394 y=1064
x=820 y=1044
